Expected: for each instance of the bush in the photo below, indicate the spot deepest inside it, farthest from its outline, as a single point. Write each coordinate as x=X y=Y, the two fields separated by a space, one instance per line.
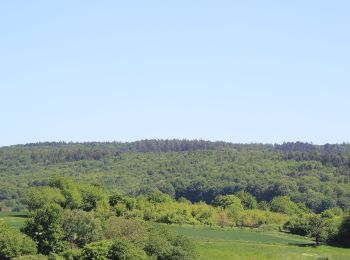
x=248 y=201
x=124 y=250
x=81 y=227
x=13 y=243
x=31 y=257
x=96 y=250
x=45 y=227
x=72 y=254
x=166 y=244
x=133 y=231
x=283 y=204
x=344 y=232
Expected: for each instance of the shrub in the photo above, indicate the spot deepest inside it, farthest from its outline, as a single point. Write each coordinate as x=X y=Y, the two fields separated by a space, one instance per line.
x=96 y=250
x=45 y=227
x=72 y=254
x=283 y=204
x=248 y=201
x=81 y=227
x=344 y=232
x=124 y=250
x=13 y=243
x=37 y=197
x=31 y=257
x=133 y=231
x=166 y=244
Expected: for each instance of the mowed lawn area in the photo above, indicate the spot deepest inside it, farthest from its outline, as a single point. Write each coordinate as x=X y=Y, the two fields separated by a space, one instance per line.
x=250 y=244
x=13 y=219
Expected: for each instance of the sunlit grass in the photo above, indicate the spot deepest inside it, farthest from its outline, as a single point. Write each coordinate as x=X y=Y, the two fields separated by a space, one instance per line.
x=13 y=219
x=250 y=244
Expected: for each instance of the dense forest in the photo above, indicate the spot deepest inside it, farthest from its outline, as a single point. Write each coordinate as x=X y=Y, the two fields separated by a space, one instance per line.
x=316 y=175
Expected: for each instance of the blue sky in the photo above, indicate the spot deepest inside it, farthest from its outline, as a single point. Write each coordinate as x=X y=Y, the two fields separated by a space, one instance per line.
x=240 y=71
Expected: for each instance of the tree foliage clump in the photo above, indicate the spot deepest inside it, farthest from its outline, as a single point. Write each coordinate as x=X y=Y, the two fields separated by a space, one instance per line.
x=13 y=243
x=45 y=228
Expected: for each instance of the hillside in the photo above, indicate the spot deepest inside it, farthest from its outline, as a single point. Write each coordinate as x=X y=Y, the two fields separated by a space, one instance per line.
x=318 y=176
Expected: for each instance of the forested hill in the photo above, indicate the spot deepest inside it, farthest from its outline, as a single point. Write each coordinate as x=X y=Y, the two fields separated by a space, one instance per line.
x=317 y=175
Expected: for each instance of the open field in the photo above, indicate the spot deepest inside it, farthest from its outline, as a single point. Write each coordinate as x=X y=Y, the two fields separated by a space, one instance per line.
x=14 y=219
x=248 y=245
x=232 y=244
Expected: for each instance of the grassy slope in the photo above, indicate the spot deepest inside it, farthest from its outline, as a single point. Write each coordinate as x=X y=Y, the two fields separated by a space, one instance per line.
x=13 y=219
x=245 y=244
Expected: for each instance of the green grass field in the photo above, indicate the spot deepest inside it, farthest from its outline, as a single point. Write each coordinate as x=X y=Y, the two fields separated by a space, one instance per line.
x=248 y=245
x=13 y=219
x=238 y=244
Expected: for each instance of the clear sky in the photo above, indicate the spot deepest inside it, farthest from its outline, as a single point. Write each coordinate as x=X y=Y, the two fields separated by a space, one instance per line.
x=240 y=71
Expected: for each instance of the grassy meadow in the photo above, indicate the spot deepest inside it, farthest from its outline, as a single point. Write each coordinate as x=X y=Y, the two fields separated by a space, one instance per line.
x=240 y=244
x=13 y=219
x=249 y=245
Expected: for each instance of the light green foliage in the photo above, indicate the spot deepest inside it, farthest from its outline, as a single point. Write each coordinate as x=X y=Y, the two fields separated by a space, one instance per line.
x=264 y=205
x=158 y=197
x=126 y=229
x=72 y=254
x=237 y=244
x=81 y=227
x=203 y=213
x=45 y=227
x=226 y=201
x=283 y=204
x=96 y=250
x=248 y=201
x=257 y=218
x=13 y=243
x=68 y=189
x=94 y=197
x=37 y=197
x=124 y=250
x=14 y=219
x=32 y=257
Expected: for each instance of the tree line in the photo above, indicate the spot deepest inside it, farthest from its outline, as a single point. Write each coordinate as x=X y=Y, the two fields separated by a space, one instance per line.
x=70 y=220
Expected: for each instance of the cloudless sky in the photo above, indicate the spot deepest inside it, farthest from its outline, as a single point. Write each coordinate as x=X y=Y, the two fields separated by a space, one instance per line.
x=241 y=71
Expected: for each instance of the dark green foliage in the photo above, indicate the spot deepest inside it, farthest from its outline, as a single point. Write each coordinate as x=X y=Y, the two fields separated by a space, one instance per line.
x=81 y=227
x=124 y=250
x=166 y=244
x=320 y=228
x=45 y=227
x=324 y=227
x=318 y=176
x=298 y=225
x=13 y=243
x=344 y=232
